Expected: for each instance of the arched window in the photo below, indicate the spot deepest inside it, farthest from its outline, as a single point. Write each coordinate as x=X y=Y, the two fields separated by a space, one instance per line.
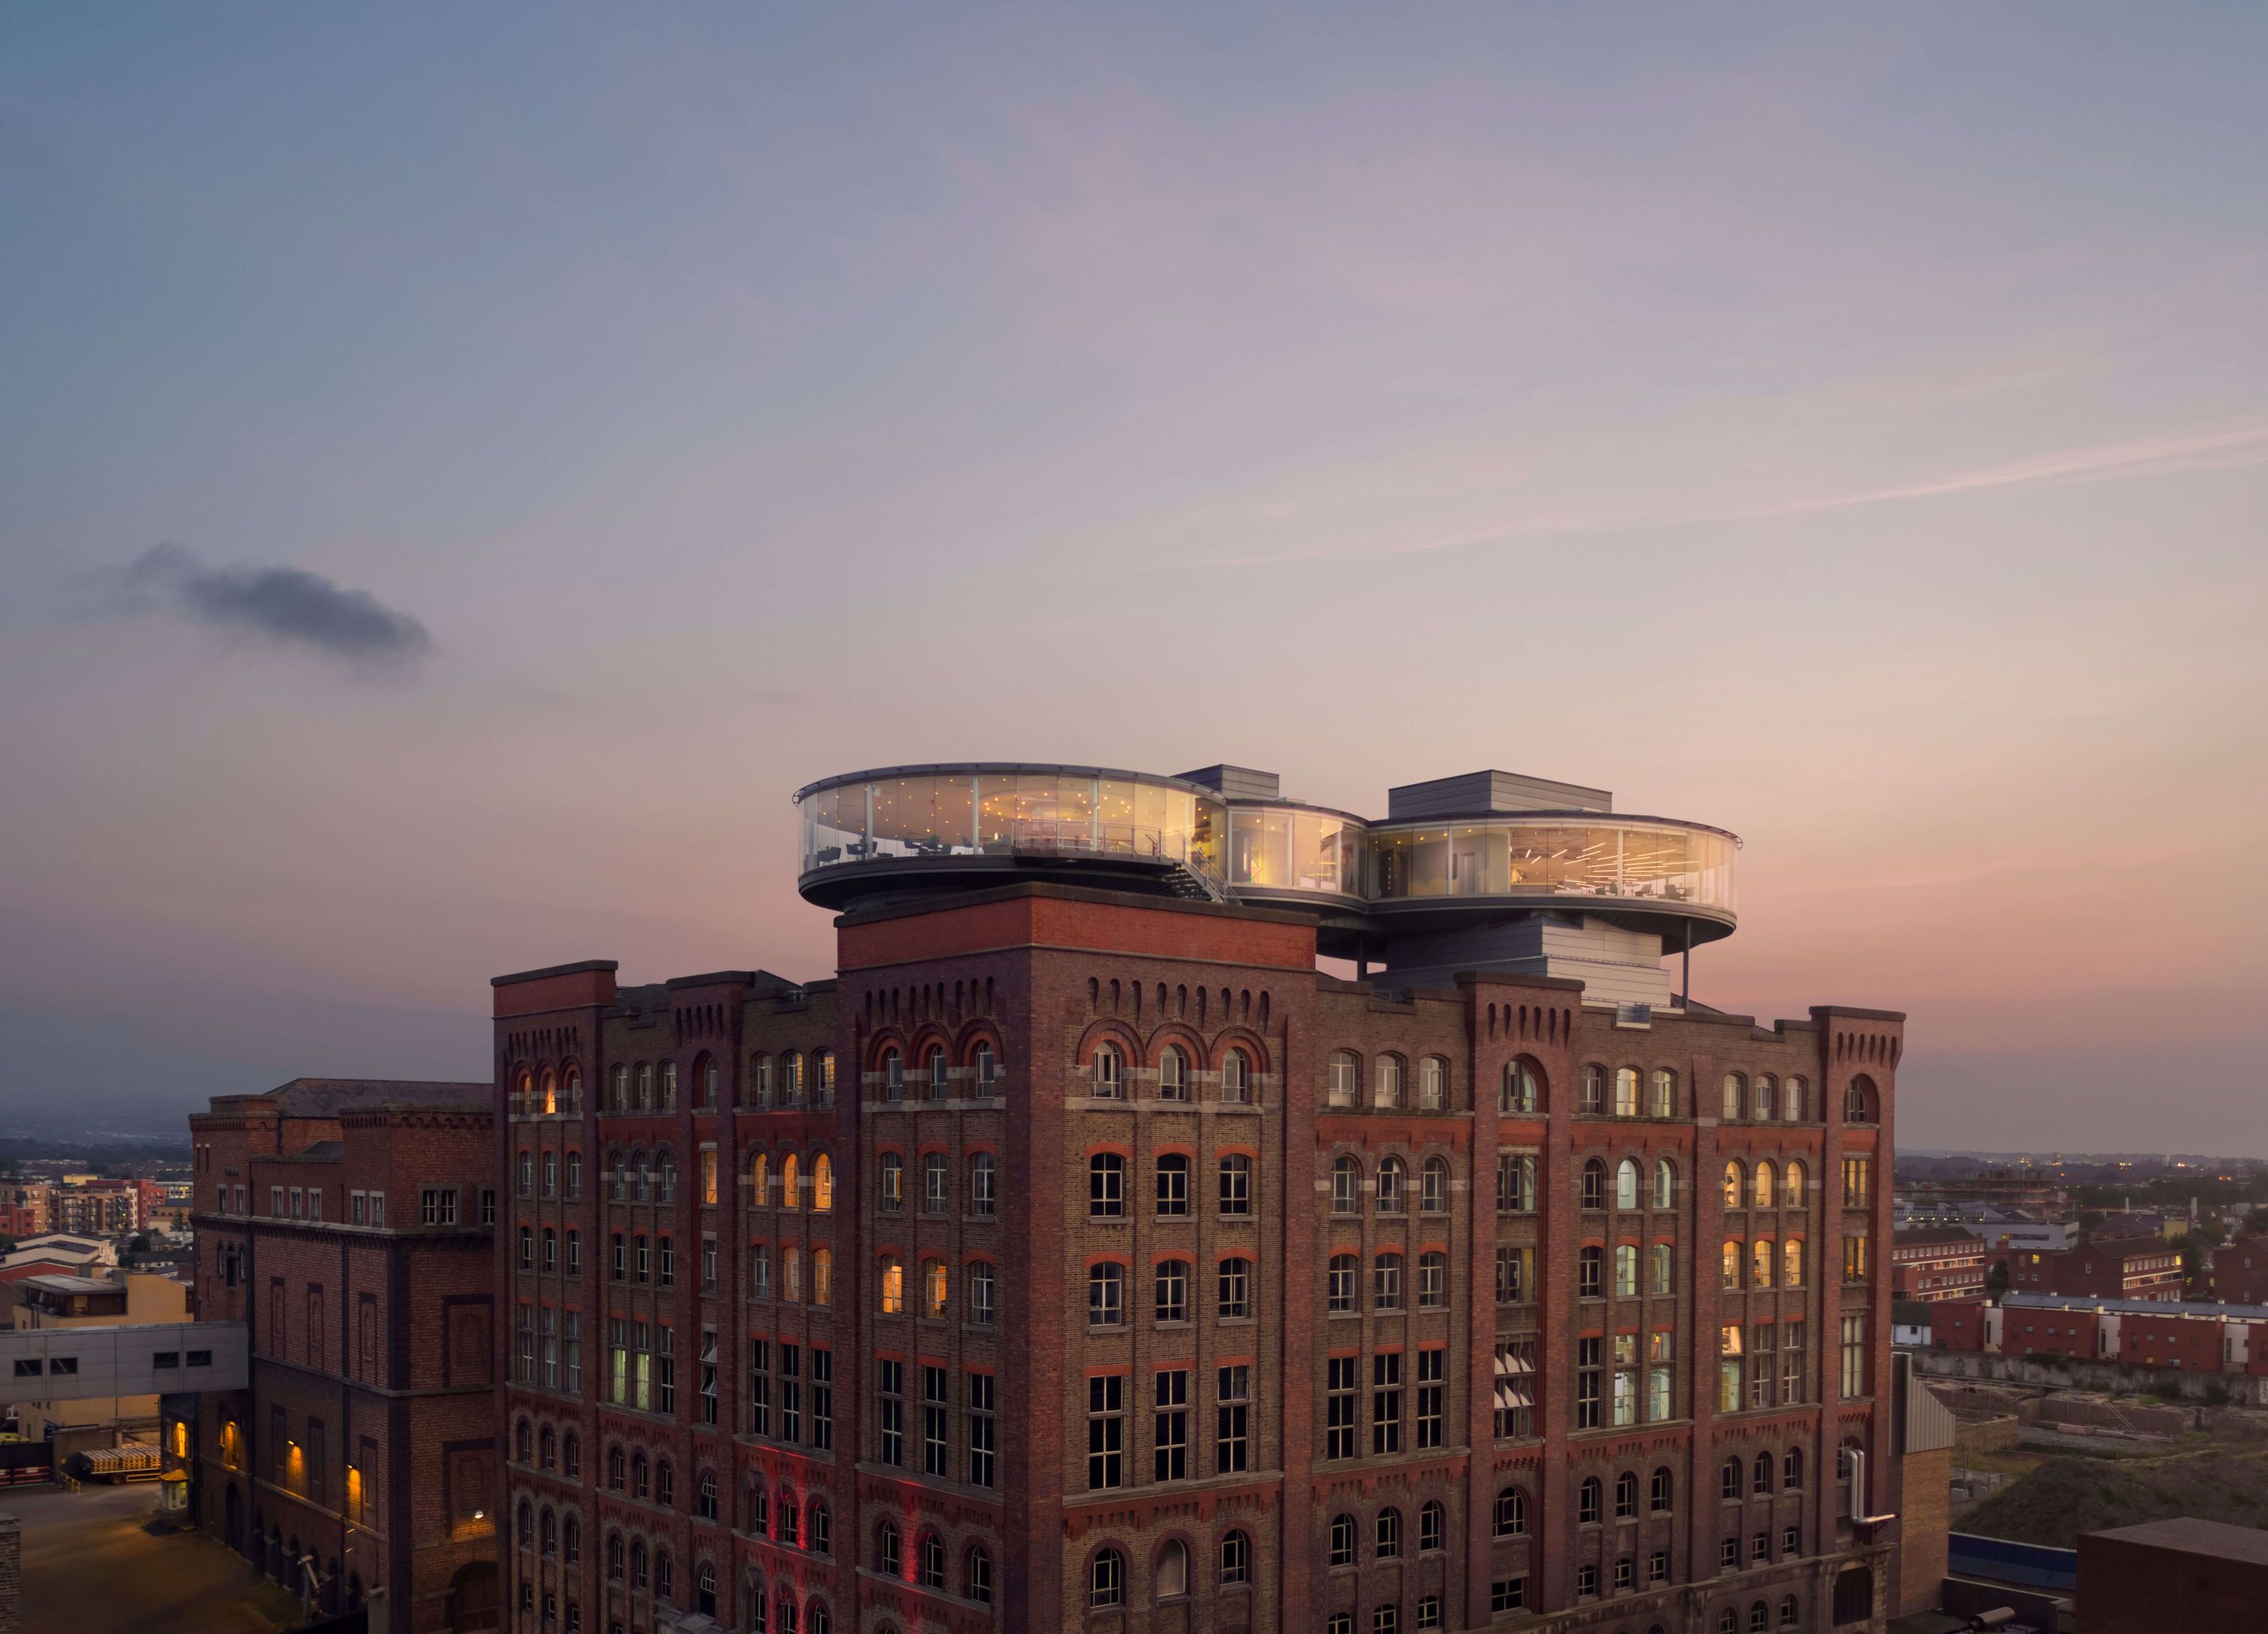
x=526 y=1527
x=1765 y=1099
x=1345 y=1079
x=642 y=1096
x=1792 y=1099
x=1791 y=1614
x=1387 y=1534
x=571 y=1541
x=792 y=1079
x=1593 y=1096
x=1173 y=1183
x=637 y=1564
x=823 y=1183
x=664 y=1178
x=1346 y=1186
x=931 y=1561
x=1511 y=1513
x=1106 y=1295
x=820 y=1531
x=1390 y=1186
x=1520 y=1089
x=1790 y=1470
x=1109 y=1072
x=1236 y=1185
x=704 y=1502
x=1736 y=1093
x=615 y=1469
x=1340 y=1281
x=1385 y=1283
x=1791 y=1193
x=546 y=1448
x=666 y=1101
x=983 y=1188
x=705 y=1591
x=1626 y=1495
x=1760 y=1478
x=1734 y=1179
x=1663 y=1491
x=1760 y=1618
x=1729 y=1621
x=1728 y=1479
x=1664 y=1104
x=979 y=1573
x=1859 y=1104
x=1761 y=1264
x=618 y=1089
x=704 y=1080
x=1626 y=1184
x=1106 y=1578
x=1235 y=1558
x=1433 y=1187
x=885 y=1549
x=987 y=1065
x=1587 y=1502
x=615 y=1557
x=1173 y=1573
x=1236 y=1078
x=1433 y=1526
x=1106 y=1186
x=1388 y=1091
x=571 y=1455
x=894 y=1076
x=940 y=1084
x=1173 y=1074
x=1625 y=1092
x=822 y=1078
x=1761 y=1190
x=523 y=1441
x=1665 y=1184
x=1594 y=1184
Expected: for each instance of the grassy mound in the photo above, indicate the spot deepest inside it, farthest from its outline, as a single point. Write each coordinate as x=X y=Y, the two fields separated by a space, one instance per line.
x=2065 y=1497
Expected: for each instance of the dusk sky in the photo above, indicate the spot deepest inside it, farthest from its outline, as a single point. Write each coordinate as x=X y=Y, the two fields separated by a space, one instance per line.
x=462 y=468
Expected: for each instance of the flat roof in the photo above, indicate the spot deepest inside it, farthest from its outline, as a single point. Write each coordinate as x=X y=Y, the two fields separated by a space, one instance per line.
x=59 y=1283
x=2188 y=1535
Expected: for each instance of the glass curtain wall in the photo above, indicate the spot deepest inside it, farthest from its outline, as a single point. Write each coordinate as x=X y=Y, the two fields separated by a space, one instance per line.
x=1515 y=859
x=956 y=813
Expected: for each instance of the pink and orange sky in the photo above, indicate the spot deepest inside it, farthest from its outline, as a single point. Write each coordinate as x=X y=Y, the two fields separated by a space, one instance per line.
x=459 y=471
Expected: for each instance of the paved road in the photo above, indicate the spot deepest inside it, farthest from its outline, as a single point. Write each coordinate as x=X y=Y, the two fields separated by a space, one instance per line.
x=90 y=1568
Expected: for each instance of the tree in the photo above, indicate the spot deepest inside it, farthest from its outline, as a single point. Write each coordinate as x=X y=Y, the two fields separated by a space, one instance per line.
x=140 y=1245
x=1996 y=1277
x=2256 y=1222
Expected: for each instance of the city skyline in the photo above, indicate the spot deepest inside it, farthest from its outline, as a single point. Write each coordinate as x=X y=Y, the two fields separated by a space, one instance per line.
x=436 y=546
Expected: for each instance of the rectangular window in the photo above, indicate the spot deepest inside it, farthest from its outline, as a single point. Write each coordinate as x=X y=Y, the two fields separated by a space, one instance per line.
x=1626 y=1270
x=548 y=1326
x=890 y=1392
x=1855 y=1259
x=1791 y=1362
x=759 y=1387
x=1232 y=1420
x=276 y=1202
x=618 y=1361
x=1857 y=1181
x=437 y=1205
x=525 y=1372
x=1589 y=1355
x=936 y=1460
x=708 y=1392
x=1730 y=1352
x=1657 y=1394
x=1508 y=1594
x=790 y=1393
x=1105 y=1431
x=1762 y=1367
x=314 y=1203
x=1515 y=1275
x=1385 y=1403
x=1854 y=1355
x=378 y=1209
x=1515 y=1389
x=1432 y=1390
x=823 y=1399
x=1170 y=1427
x=1516 y=1182
x=708 y=1176
x=358 y=1208
x=1338 y=1407
x=664 y=1371
x=575 y=1352
x=1664 y=1270
x=982 y=1428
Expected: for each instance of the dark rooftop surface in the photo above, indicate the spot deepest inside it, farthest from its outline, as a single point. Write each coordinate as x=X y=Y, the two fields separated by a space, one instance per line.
x=2187 y=1535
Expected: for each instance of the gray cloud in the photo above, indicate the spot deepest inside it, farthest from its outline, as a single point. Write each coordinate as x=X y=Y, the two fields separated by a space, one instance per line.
x=285 y=604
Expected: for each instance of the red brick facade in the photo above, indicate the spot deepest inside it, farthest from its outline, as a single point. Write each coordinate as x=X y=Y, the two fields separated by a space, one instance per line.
x=1937 y=1264
x=1958 y=1325
x=1090 y=1309
x=343 y=1222
x=2123 y=1268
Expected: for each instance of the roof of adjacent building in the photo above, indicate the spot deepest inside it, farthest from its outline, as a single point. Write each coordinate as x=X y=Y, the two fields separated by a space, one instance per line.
x=60 y=1283
x=1923 y=1236
x=317 y=1097
x=2025 y=1299
x=2189 y=1535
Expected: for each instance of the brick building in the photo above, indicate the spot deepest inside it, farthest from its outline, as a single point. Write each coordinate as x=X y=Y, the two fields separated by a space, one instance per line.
x=2201 y=1577
x=23 y=1209
x=95 y=1208
x=2186 y=1342
x=349 y=1224
x=1958 y=1325
x=2123 y=1268
x=1937 y=1263
x=2240 y=1271
x=1086 y=1258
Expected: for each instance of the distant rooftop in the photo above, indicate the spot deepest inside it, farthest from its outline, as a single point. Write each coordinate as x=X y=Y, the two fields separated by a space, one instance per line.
x=323 y=1097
